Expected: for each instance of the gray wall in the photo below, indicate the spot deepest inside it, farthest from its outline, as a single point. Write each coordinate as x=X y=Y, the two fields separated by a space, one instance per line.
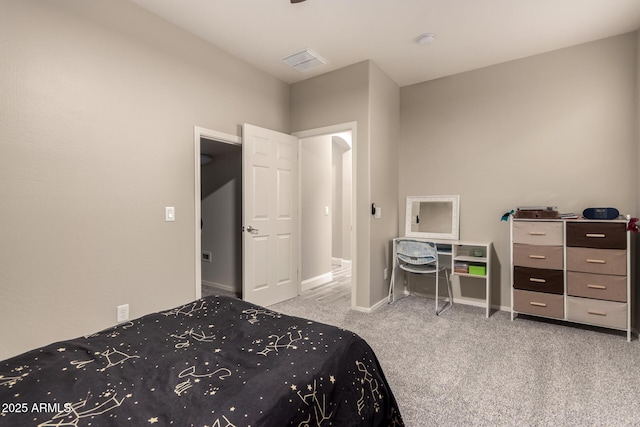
x=98 y=105
x=315 y=181
x=558 y=129
x=384 y=105
x=336 y=201
x=361 y=93
x=342 y=96
x=341 y=200
x=221 y=183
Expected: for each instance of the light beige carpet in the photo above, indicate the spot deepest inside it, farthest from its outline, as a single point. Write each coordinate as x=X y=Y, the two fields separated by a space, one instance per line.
x=463 y=369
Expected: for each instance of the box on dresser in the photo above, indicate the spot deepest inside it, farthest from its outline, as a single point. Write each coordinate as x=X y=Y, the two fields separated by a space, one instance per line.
x=531 y=212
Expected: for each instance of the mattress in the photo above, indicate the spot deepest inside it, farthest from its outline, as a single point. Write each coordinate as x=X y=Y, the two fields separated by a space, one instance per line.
x=217 y=361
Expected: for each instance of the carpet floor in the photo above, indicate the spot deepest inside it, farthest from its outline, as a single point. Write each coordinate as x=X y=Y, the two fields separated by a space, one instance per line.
x=463 y=369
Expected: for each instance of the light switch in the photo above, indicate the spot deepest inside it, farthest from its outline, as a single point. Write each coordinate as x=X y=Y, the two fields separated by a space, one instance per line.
x=378 y=213
x=122 y=313
x=326 y=210
x=169 y=213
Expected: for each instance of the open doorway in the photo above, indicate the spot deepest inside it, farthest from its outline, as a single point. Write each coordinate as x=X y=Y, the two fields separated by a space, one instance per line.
x=218 y=205
x=221 y=217
x=202 y=134
x=325 y=217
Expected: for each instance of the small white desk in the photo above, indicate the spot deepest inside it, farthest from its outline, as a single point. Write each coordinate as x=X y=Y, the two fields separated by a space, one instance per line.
x=456 y=251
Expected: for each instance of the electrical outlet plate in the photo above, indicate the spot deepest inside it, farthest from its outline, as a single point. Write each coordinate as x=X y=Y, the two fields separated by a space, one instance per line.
x=123 y=313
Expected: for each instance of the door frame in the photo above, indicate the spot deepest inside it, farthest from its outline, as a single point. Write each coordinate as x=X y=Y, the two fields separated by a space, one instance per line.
x=327 y=130
x=198 y=134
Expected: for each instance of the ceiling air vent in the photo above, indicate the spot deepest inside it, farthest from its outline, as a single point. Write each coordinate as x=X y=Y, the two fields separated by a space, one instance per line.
x=304 y=60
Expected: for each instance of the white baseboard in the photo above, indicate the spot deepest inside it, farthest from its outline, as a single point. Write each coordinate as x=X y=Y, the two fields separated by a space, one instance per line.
x=372 y=308
x=501 y=308
x=341 y=262
x=316 y=281
x=228 y=288
x=464 y=301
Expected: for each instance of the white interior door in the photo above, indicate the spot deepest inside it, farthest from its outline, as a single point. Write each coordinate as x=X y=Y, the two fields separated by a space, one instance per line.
x=270 y=218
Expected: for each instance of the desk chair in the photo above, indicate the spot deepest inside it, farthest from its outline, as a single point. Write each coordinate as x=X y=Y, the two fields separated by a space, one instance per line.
x=420 y=257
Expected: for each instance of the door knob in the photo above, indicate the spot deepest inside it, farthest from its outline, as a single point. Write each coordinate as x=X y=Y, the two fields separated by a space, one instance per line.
x=252 y=230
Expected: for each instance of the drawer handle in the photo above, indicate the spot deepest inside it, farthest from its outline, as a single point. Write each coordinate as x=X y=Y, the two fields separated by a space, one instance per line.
x=596 y=287
x=596 y=235
x=537 y=256
x=538 y=304
x=537 y=233
x=597 y=313
x=596 y=261
x=533 y=279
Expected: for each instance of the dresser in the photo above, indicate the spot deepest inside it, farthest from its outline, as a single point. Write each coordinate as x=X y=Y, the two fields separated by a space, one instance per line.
x=573 y=270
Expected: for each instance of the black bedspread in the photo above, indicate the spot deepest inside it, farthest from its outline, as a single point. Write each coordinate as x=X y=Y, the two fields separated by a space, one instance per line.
x=215 y=362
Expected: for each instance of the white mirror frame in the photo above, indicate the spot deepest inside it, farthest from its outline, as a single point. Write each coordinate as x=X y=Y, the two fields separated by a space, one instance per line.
x=455 y=217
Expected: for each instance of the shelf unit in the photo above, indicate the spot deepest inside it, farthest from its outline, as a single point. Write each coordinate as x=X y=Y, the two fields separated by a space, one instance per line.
x=452 y=251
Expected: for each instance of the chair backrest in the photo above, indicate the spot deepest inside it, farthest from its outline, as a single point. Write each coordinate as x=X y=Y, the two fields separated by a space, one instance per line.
x=416 y=252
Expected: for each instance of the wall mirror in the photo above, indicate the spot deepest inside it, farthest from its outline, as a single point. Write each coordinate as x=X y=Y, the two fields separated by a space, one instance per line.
x=433 y=217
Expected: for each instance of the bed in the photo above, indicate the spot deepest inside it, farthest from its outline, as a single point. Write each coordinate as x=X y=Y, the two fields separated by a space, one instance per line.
x=217 y=361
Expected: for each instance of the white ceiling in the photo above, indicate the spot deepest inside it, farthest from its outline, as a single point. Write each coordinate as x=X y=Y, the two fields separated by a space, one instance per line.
x=470 y=34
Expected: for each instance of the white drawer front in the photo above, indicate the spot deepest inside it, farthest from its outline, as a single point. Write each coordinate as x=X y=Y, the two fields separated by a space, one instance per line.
x=597 y=312
x=538 y=233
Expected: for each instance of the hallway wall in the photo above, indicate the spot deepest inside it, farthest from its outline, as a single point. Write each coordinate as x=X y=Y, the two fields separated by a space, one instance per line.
x=316 y=210
x=221 y=208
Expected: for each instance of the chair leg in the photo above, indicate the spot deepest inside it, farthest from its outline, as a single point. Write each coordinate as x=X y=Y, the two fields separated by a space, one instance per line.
x=449 y=291
x=437 y=276
x=407 y=282
x=393 y=297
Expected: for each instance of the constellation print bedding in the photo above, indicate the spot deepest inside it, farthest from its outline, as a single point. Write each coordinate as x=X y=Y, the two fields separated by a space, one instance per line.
x=215 y=362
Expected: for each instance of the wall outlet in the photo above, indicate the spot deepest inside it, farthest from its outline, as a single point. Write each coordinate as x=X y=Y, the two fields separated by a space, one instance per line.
x=386 y=273
x=206 y=256
x=122 y=313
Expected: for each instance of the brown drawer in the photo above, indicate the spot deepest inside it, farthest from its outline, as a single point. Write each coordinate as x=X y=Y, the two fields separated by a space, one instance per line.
x=597 y=235
x=538 y=303
x=600 y=261
x=596 y=312
x=538 y=279
x=598 y=286
x=548 y=233
x=535 y=256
